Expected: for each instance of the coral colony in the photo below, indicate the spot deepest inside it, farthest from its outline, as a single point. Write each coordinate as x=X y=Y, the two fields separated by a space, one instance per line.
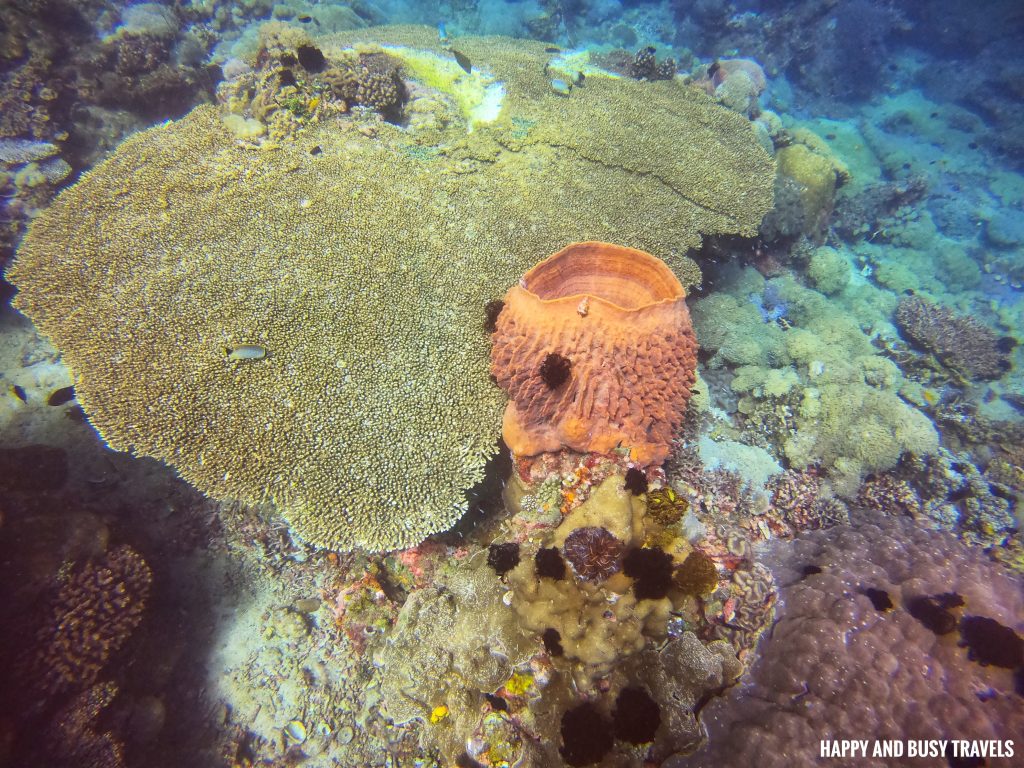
x=548 y=384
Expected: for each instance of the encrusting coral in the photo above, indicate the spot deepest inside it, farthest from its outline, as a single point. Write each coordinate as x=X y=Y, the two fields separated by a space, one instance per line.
x=95 y=612
x=856 y=647
x=617 y=316
x=361 y=264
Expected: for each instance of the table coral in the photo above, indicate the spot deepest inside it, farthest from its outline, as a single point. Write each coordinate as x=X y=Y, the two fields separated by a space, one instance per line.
x=617 y=321
x=362 y=264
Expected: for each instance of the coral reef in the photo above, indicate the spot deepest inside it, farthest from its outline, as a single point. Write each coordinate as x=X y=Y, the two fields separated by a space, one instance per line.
x=646 y=67
x=591 y=631
x=815 y=173
x=962 y=343
x=453 y=641
x=836 y=661
x=797 y=495
x=828 y=270
x=679 y=676
x=374 y=389
x=735 y=83
x=74 y=737
x=890 y=496
x=617 y=318
x=95 y=612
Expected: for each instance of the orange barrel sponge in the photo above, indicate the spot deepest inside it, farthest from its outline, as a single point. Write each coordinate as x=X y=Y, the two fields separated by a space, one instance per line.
x=596 y=351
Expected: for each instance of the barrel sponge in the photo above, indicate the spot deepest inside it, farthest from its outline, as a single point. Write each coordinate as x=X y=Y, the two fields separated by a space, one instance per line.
x=618 y=317
x=836 y=666
x=362 y=265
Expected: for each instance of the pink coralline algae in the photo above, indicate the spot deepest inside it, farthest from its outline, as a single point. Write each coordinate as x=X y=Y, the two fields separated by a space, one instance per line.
x=840 y=660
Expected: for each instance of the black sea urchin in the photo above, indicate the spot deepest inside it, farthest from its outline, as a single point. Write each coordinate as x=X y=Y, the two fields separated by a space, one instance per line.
x=555 y=370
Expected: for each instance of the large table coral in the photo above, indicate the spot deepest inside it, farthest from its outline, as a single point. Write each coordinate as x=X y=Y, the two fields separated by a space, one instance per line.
x=302 y=321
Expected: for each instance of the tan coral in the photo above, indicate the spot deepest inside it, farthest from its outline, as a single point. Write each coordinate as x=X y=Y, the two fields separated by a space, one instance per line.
x=619 y=318
x=362 y=264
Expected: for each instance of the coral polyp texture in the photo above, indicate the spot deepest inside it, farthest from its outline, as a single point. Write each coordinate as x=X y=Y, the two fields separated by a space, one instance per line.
x=93 y=615
x=853 y=653
x=619 y=317
x=361 y=262
x=960 y=342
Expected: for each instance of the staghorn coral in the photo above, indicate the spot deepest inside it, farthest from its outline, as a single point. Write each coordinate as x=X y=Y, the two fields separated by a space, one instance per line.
x=618 y=316
x=962 y=343
x=372 y=411
x=837 y=664
x=93 y=615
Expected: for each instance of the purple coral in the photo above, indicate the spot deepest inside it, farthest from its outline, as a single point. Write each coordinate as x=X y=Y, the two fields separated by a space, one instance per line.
x=835 y=664
x=595 y=554
x=961 y=343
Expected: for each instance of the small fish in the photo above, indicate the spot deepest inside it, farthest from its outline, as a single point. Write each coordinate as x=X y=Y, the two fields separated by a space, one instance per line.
x=729 y=610
x=463 y=60
x=19 y=392
x=579 y=78
x=560 y=86
x=552 y=49
x=442 y=33
x=245 y=352
x=305 y=18
x=61 y=396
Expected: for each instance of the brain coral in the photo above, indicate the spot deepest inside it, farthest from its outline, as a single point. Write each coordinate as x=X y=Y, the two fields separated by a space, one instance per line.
x=838 y=667
x=619 y=317
x=362 y=265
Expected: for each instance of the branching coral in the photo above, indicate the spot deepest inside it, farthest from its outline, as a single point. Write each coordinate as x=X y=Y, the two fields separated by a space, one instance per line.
x=960 y=342
x=94 y=614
